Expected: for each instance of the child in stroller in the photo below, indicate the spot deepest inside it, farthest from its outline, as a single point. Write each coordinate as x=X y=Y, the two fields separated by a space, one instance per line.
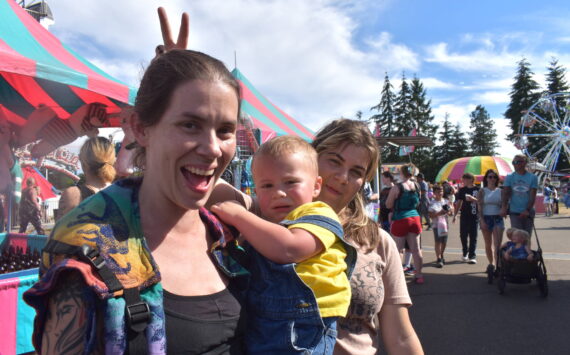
x=519 y=264
x=519 y=247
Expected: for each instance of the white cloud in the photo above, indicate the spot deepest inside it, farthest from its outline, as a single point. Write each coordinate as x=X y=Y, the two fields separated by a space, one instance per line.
x=484 y=60
x=492 y=97
x=300 y=54
x=434 y=83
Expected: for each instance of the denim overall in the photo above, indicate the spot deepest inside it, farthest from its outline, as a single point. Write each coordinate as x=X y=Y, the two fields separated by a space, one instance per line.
x=283 y=316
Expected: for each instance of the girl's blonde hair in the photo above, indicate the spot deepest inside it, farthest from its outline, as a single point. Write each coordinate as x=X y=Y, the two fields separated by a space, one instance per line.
x=358 y=228
x=97 y=156
x=524 y=234
x=509 y=232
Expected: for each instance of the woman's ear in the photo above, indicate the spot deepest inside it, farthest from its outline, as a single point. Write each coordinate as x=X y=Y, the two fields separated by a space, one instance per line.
x=140 y=131
x=318 y=186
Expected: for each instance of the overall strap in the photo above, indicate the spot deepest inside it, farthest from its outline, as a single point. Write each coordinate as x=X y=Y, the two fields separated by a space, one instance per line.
x=323 y=221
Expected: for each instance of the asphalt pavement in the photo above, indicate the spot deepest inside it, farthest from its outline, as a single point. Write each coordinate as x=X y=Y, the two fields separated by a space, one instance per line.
x=457 y=312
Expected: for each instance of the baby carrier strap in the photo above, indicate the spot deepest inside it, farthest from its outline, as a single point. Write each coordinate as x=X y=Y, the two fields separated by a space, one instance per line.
x=137 y=312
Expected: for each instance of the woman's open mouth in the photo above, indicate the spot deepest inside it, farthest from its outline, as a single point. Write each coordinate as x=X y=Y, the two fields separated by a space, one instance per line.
x=197 y=179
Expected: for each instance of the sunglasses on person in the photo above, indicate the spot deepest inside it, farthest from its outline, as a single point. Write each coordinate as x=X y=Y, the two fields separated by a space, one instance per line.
x=492 y=177
x=517 y=162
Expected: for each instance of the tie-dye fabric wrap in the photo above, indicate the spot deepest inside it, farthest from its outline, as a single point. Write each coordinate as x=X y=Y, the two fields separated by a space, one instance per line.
x=110 y=222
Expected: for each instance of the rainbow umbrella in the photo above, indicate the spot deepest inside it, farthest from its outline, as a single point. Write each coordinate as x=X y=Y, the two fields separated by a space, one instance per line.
x=269 y=118
x=476 y=166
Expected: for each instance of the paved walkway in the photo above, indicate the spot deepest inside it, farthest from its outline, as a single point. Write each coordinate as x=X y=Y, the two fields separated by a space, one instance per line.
x=457 y=312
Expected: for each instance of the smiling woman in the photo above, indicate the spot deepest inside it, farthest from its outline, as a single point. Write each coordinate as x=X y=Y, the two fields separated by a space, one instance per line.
x=110 y=249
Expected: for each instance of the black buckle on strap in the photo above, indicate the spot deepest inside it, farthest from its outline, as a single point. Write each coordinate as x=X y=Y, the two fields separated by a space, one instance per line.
x=138 y=316
x=92 y=256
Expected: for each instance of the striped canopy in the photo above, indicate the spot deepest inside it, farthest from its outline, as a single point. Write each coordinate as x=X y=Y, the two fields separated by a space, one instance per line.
x=36 y=68
x=476 y=166
x=266 y=116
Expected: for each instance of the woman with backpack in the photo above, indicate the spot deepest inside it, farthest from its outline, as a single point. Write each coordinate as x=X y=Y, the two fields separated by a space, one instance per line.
x=404 y=199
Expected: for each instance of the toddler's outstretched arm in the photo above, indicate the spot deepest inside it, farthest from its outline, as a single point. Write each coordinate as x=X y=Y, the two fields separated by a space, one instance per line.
x=275 y=242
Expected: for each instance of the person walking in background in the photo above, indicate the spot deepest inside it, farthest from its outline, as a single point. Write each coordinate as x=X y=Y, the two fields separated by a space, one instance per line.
x=97 y=156
x=547 y=193
x=404 y=198
x=519 y=194
x=439 y=209
x=449 y=192
x=424 y=200
x=370 y=201
x=555 y=200
x=30 y=208
x=467 y=204
x=385 y=212
x=492 y=223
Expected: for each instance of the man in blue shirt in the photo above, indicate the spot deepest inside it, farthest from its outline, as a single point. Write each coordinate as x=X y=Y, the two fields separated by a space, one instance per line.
x=519 y=193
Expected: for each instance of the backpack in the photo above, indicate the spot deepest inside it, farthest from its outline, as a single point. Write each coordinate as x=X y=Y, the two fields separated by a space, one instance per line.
x=401 y=191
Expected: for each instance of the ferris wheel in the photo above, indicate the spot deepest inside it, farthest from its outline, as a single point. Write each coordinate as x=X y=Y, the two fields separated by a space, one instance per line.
x=544 y=134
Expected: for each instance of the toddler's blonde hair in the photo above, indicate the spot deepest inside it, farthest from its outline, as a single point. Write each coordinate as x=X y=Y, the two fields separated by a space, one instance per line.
x=282 y=146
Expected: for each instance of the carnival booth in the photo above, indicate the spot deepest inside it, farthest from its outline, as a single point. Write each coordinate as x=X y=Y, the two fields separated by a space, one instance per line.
x=49 y=96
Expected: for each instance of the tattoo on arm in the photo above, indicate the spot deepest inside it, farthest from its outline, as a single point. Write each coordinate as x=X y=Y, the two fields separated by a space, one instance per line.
x=66 y=320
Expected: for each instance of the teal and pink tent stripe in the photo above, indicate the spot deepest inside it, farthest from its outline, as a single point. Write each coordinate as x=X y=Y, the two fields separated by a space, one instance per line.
x=35 y=67
x=17 y=317
x=266 y=116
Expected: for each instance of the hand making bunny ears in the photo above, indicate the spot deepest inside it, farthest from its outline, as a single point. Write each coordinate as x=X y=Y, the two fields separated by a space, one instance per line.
x=169 y=44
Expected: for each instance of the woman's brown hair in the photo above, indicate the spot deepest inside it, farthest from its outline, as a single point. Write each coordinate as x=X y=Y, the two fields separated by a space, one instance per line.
x=358 y=228
x=165 y=74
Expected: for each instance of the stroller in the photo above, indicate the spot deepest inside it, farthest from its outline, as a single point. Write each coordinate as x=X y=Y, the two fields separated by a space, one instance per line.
x=520 y=271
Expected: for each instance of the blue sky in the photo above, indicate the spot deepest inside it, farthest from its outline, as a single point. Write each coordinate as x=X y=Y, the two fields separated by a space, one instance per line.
x=322 y=59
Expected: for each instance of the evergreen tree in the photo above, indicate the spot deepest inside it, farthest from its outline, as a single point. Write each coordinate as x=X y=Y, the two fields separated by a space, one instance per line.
x=404 y=122
x=423 y=118
x=385 y=116
x=384 y=119
x=523 y=94
x=483 y=135
x=443 y=151
x=556 y=78
x=458 y=143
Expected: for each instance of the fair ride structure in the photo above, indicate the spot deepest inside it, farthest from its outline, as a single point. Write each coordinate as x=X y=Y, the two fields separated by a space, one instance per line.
x=544 y=133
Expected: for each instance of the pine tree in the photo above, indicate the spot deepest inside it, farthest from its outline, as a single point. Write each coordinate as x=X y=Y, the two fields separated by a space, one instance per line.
x=385 y=116
x=421 y=114
x=523 y=94
x=483 y=135
x=404 y=121
x=442 y=151
x=458 y=143
x=556 y=78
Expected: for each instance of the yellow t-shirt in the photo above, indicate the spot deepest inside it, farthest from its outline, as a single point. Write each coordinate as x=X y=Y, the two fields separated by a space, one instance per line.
x=324 y=273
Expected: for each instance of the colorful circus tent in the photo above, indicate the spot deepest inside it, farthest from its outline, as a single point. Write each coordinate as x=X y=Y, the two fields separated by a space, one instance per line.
x=266 y=116
x=36 y=68
x=475 y=165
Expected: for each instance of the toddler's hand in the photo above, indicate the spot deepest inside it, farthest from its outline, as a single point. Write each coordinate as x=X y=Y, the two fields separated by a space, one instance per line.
x=228 y=211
